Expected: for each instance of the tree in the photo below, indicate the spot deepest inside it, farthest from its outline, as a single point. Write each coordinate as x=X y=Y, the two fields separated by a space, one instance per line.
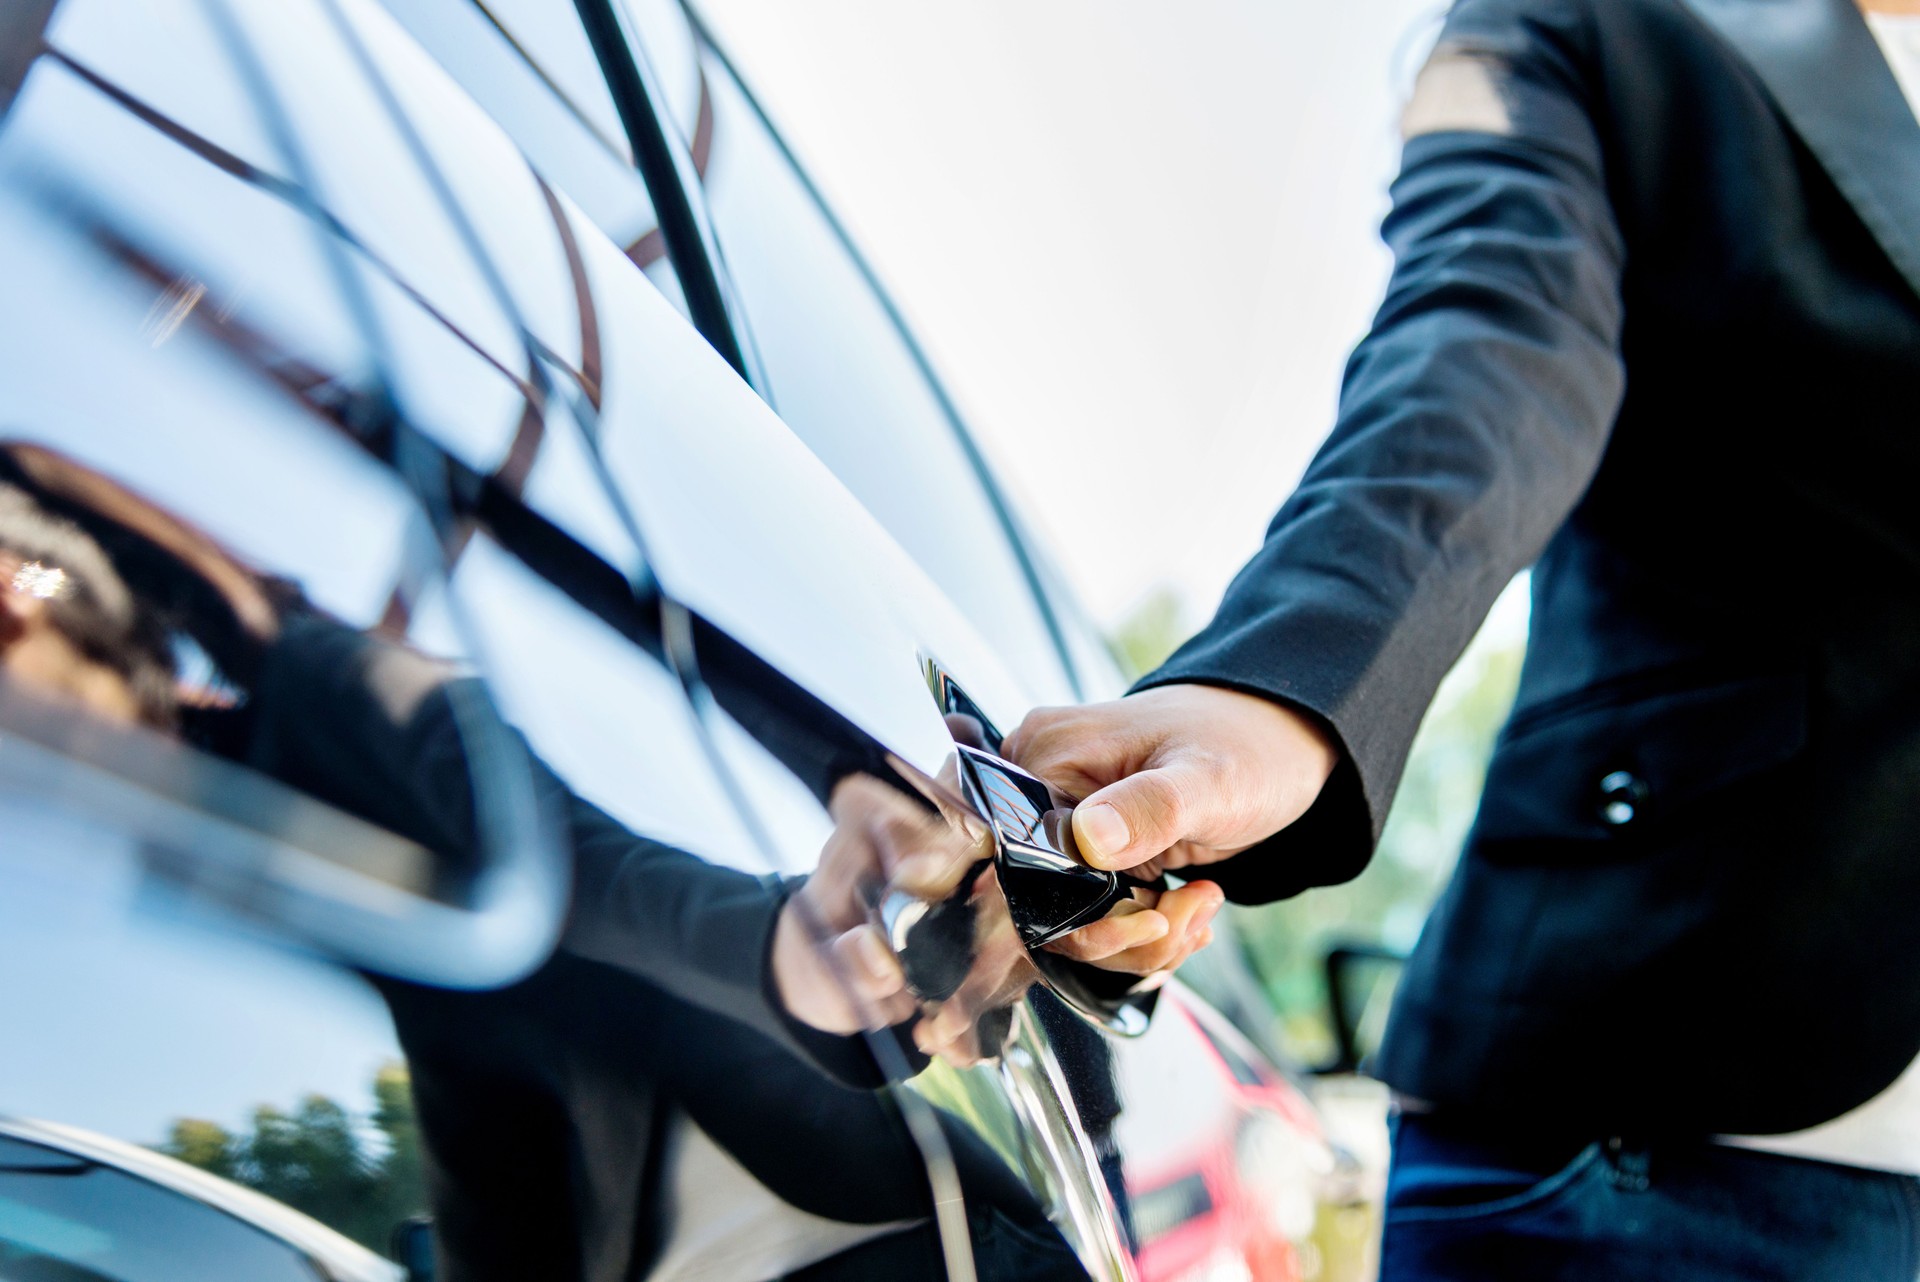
x=1153 y=631
x=207 y=1145
x=320 y=1160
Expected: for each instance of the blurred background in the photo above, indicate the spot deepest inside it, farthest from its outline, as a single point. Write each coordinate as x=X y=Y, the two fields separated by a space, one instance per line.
x=1139 y=241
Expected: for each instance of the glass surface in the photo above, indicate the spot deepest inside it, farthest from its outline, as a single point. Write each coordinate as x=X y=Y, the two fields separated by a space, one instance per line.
x=279 y=443
x=520 y=491
x=673 y=55
x=748 y=530
x=847 y=383
x=137 y=1015
x=65 y=1220
x=187 y=380
x=530 y=67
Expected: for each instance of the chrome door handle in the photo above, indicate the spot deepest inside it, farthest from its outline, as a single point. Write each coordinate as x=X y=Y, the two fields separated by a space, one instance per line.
x=1051 y=890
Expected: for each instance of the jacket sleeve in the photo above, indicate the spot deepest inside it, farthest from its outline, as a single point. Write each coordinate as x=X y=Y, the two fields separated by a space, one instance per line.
x=699 y=932
x=371 y=726
x=1472 y=417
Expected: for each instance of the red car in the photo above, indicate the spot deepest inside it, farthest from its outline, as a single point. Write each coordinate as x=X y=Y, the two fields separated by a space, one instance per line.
x=1234 y=1179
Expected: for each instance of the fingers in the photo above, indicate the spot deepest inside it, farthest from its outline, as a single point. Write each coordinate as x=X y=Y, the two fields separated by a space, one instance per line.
x=842 y=984
x=1000 y=973
x=1131 y=821
x=881 y=836
x=1076 y=749
x=871 y=975
x=1114 y=935
x=1187 y=912
x=1193 y=773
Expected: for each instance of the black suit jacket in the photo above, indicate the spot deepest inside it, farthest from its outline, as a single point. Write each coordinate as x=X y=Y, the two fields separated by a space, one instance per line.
x=1654 y=330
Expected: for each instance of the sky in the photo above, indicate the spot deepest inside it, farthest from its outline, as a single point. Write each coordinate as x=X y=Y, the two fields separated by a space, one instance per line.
x=1138 y=239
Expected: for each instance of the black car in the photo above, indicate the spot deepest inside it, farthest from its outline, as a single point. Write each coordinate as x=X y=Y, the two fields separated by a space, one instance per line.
x=509 y=333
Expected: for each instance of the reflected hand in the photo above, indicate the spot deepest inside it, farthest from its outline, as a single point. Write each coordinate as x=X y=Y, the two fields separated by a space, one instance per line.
x=832 y=968
x=1001 y=972
x=1181 y=775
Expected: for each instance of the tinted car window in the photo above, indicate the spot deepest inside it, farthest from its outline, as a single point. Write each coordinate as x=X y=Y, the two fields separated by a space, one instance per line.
x=530 y=67
x=61 y=1218
x=290 y=350
x=848 y=383
x=184 y=331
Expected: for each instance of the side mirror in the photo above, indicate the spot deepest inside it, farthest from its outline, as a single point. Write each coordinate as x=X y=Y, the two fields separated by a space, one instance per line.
x=1360 y=983
x=411 y=1246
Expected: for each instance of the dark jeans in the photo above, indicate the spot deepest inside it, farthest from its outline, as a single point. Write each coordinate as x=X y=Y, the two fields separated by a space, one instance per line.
x=1468 y=1205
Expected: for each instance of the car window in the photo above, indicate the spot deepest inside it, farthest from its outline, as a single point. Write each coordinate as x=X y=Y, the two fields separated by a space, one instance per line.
x=673 y=55
x=188 y=343
x=529 y=65
x=849 y=384
x=65 y=1218
x=1160 y=1211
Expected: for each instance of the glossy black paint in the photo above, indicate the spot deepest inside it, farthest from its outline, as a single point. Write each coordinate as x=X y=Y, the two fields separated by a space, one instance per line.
x=670 y=176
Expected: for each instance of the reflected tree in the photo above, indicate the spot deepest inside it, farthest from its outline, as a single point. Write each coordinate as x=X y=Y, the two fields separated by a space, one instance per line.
x=359 y=1176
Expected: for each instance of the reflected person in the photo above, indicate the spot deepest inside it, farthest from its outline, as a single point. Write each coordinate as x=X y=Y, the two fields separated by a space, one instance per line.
x=687 y=1003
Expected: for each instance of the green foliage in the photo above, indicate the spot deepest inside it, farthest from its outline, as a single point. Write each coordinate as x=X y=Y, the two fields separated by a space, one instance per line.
x=320 y=1160
x=207 y=1145
x=1388 y=903
x=1286 y=943
x=1153 y=631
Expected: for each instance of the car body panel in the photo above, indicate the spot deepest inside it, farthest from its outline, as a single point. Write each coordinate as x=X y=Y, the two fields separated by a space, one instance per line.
x=341 y=1259
x=411 y=346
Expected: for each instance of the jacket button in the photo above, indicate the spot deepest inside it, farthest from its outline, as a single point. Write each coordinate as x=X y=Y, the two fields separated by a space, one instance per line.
x=1621 y=795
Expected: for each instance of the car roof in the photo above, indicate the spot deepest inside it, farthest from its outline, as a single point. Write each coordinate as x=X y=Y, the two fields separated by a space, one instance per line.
x=343 y=1259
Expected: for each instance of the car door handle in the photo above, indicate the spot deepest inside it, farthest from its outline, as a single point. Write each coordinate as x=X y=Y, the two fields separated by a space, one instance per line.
x=1051 y=890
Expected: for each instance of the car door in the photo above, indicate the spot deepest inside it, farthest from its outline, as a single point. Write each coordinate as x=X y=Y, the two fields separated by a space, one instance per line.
x=688 y=617
x=831 y=356
x=332 y=372
x=182 y=935
x=851 y=383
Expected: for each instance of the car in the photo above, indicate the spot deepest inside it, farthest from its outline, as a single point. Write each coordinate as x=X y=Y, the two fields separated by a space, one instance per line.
x=78 y=1205
x=511 y=334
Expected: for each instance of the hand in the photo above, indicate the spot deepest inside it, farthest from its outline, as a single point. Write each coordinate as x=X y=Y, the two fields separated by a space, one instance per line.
x=1139 y=939
x=1135 y=938
x=1181 y=775
x=832 y=968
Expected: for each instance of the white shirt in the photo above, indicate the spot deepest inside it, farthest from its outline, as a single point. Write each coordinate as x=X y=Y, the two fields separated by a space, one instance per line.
x=723 y=1225
x=1883 y=1133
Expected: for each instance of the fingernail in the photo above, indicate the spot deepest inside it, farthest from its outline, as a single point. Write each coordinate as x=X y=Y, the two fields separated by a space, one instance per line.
x=1103 y=833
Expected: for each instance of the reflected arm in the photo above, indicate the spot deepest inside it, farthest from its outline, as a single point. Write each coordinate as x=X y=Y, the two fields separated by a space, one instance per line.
x=376 y=728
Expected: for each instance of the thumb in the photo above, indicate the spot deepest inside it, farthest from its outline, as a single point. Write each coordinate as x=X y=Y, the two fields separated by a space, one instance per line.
x=1129 y=822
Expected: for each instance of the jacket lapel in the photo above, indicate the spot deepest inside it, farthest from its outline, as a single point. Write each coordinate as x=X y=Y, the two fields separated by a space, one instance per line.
x=1826 y=73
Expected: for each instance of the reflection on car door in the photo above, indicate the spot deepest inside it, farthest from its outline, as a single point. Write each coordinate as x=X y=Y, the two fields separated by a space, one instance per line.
x=345 y=378
x=627 y=631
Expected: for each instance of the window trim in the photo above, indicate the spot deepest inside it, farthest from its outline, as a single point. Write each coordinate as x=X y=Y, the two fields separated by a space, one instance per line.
x=1003 y=512
x=668 y=173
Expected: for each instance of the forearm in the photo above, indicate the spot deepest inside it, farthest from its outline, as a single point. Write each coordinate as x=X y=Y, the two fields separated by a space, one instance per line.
x=1471 y=420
